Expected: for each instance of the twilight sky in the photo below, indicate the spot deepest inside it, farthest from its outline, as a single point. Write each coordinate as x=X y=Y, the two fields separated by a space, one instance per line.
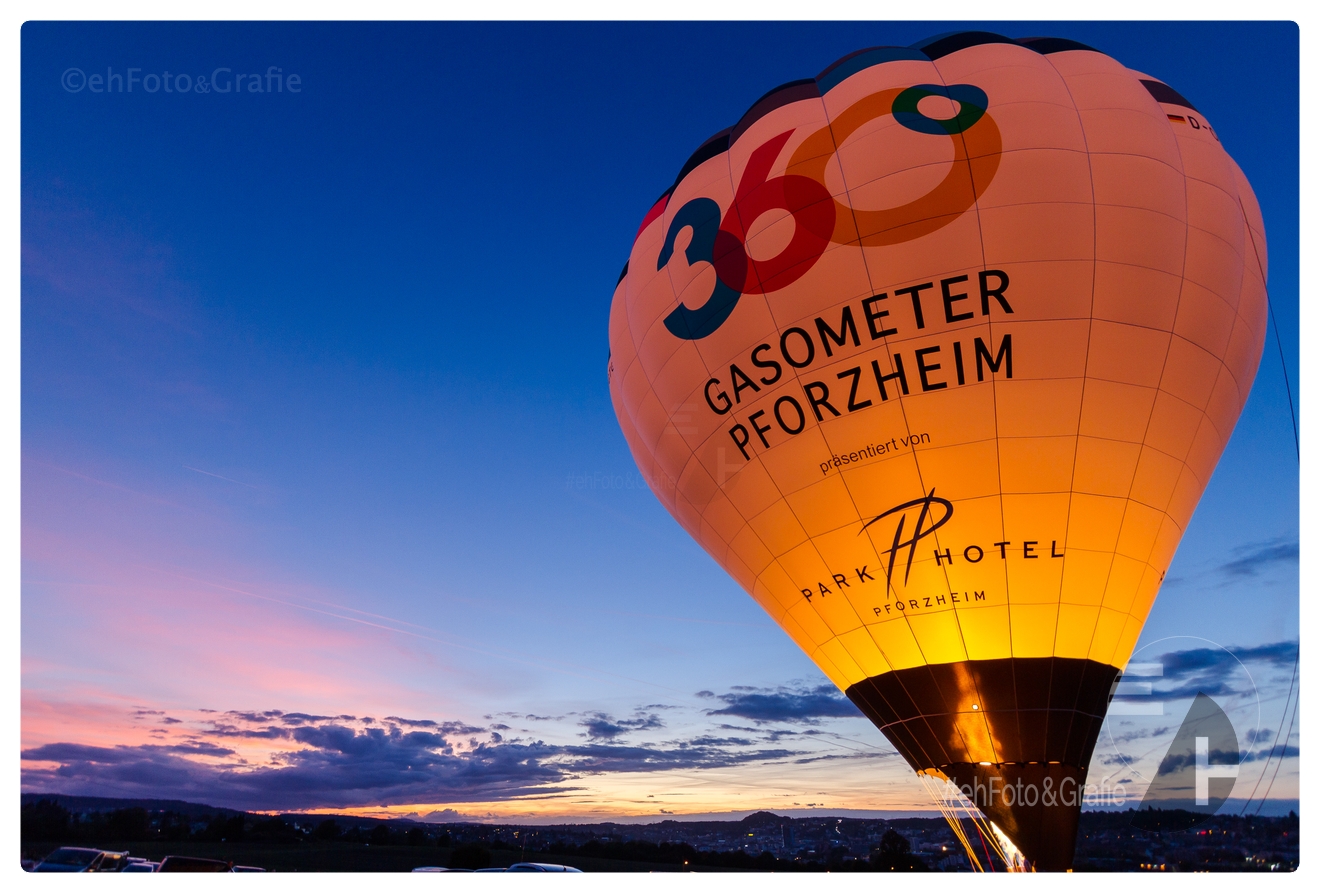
x=324 y=502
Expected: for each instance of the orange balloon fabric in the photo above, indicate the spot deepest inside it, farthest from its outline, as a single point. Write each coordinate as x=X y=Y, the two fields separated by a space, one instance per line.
x=935 y=354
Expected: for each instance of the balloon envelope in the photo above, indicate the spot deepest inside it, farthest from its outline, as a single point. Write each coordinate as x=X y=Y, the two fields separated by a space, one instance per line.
x=935 y=354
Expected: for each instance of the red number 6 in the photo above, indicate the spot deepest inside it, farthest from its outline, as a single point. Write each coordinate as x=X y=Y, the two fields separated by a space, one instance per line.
x=807 y=200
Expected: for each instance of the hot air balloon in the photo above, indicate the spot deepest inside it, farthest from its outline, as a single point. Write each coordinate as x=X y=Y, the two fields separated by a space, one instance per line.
x=935 y=354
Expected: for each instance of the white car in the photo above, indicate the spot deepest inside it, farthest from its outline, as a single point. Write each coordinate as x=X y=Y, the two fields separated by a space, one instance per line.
x=542 y=866
x=137 y=866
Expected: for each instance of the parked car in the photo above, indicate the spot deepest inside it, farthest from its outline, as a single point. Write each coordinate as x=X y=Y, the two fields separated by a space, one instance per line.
x=137 y=865
x=77 y=858
x=193 y=863
x=542 y=866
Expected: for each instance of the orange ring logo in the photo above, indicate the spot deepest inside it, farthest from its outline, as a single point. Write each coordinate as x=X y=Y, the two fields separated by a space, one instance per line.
x=976 y=148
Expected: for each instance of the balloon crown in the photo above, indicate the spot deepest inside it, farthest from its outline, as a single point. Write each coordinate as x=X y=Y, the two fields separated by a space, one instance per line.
x=836 y=72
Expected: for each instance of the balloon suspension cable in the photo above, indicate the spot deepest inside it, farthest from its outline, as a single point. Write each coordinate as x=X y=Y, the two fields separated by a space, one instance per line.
x=1292 y=413
x=1275 y=751
x=956 y=809
x=1287 y=385
x=1274 y=748
x=981 y=836
x=1274 y=324
x=949 y=811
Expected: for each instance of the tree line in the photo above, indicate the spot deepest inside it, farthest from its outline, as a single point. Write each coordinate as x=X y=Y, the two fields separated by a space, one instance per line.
x=46 y=821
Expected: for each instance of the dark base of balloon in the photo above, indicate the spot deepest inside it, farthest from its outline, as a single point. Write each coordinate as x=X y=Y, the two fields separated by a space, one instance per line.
x=1015 y=734
x=1043 y=827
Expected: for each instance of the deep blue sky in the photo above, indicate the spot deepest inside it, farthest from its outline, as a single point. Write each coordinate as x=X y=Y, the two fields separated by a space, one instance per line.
x=348 y=346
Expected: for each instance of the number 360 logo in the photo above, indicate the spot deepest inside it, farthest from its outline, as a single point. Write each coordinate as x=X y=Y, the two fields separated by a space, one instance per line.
x=818 y=217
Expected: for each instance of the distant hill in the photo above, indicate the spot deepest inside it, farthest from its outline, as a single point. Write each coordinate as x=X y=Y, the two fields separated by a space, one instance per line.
x=75 y=804
x=78 y=804
x=106 y=804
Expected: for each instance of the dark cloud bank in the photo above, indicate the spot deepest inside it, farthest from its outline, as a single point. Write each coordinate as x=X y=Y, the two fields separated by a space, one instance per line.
x=1211 y=670
x=783 y=704
x=1248 y=562
x=343 y=761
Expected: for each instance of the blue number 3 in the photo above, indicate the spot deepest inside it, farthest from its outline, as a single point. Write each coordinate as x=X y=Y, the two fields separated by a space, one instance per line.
x=703 y=215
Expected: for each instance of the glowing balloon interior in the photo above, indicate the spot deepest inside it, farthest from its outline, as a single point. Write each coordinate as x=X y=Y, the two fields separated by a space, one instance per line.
x=935 y=354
